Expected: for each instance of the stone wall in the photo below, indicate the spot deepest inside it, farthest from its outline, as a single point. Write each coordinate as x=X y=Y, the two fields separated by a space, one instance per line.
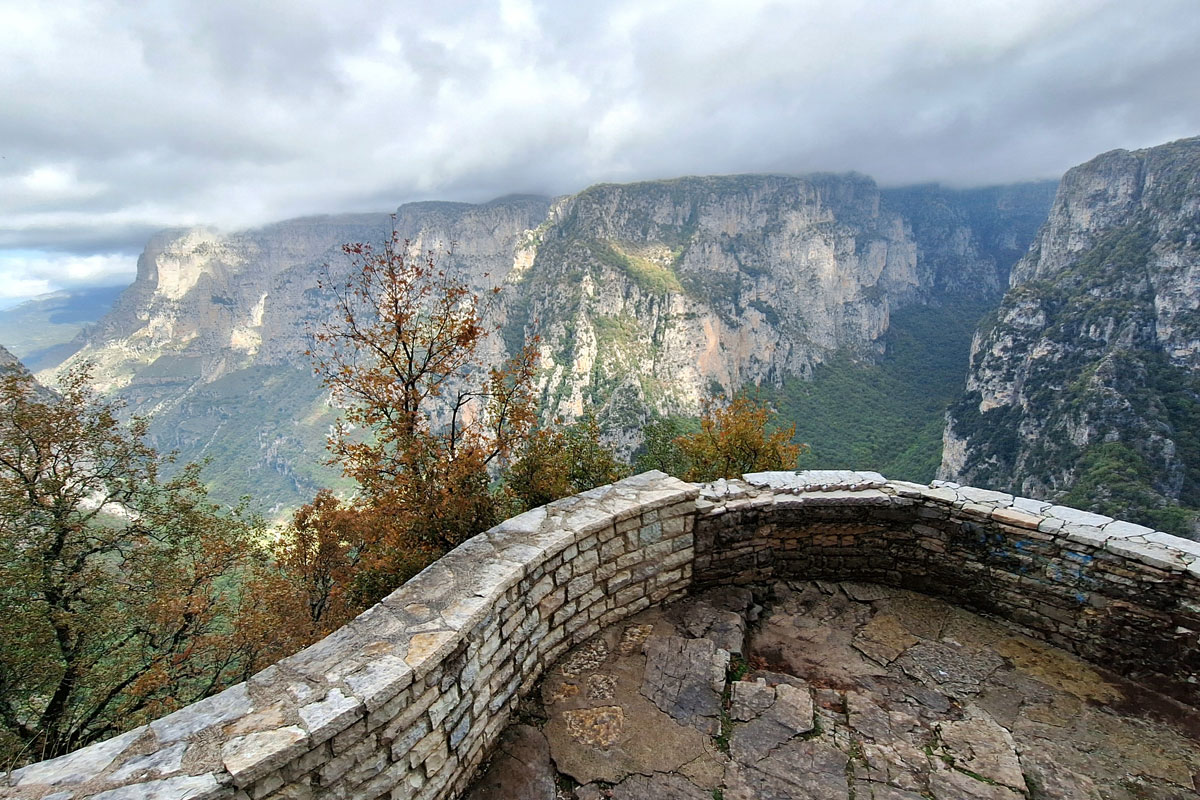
x=1120 y=595
x=406 y=701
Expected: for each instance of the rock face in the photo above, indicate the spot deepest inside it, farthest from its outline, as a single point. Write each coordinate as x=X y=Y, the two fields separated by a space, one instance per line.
x=10 y=365
x=651 y=295
x=1083 y=386
x=645 y=297
x=8 y=361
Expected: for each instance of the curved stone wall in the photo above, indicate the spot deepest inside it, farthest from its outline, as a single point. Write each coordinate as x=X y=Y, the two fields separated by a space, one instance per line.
x=1120 y=595
x=406 y=700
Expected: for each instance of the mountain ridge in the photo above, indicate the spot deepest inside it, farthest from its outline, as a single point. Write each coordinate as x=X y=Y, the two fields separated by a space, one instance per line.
x=1085 y=377
x=646 y=299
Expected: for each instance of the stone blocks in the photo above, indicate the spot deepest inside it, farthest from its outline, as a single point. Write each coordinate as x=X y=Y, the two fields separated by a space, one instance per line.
x=408 y=699
x=1112 y=592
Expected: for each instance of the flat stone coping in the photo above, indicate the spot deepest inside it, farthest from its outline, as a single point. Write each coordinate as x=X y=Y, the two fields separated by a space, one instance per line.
x=837 y=487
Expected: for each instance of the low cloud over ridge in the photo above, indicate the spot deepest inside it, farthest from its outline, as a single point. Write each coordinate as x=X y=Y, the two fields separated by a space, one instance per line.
x=120 y=120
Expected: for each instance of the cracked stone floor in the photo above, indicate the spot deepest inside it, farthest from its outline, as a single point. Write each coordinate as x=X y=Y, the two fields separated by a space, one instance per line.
x=836 y=691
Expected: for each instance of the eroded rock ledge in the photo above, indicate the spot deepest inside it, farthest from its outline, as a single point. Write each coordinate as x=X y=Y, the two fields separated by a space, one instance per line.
x=407 y=700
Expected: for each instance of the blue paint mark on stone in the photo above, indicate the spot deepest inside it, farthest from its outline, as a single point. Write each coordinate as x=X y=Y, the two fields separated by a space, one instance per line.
x=1082 y=558
x=649 y=534
x=460 y=732
x=405 y=743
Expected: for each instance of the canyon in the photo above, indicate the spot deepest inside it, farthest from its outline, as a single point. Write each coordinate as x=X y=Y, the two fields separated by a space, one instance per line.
x=1032 y=338
x=645 y=299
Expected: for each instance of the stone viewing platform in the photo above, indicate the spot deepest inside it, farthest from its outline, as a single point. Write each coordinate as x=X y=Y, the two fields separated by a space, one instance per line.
x=819 y=690
x=409 y=699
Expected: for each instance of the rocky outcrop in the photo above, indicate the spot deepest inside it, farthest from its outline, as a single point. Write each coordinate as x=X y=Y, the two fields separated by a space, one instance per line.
x=11 y=365
x=9 y=362
x=1084 y=384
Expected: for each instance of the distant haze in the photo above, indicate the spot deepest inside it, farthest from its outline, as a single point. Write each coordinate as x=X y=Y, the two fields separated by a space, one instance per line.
x=120 y=119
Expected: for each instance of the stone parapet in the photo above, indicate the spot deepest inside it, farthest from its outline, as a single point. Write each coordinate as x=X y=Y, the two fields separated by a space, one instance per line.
x=1117 y=594
x=407 y=700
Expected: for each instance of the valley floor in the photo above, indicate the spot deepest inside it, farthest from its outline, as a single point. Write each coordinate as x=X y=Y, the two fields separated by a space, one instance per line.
x=846 y=692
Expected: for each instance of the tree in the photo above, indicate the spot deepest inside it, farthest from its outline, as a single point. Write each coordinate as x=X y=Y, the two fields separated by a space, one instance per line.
x=427 y=422
x=660 y=446
x=314 y=583
x=560 y=461
x=117 y=586
x=733 y=440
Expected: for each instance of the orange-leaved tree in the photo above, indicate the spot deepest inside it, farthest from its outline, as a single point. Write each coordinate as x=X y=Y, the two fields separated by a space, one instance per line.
x=426 y=420
x=311 y=586
x=734 y=439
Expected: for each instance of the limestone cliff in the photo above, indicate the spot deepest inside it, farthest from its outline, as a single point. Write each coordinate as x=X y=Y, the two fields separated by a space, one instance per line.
x=652 y=296
x=210 y=339
x=1084 y=384
x=645 y=297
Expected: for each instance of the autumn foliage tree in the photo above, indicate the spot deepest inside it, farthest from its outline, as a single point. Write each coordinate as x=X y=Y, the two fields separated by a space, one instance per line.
x=118 y=587
x=561 y=460
x=308 y=588
x=426 y=421
x=732 y=439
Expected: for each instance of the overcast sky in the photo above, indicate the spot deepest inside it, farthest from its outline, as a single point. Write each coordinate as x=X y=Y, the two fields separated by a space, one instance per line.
x=118 y=118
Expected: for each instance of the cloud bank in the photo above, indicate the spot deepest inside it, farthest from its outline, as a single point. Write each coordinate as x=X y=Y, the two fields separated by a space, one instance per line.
x=121 y=118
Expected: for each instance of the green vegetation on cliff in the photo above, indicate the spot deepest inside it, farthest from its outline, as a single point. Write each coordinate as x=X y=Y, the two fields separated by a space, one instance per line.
x=1115 y=479
x=648 y=275
x=264 y=427
x=1093 y=352
x=886 y=416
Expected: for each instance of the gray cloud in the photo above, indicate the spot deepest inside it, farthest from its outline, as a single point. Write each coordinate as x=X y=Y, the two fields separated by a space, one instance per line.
x=119 y=120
